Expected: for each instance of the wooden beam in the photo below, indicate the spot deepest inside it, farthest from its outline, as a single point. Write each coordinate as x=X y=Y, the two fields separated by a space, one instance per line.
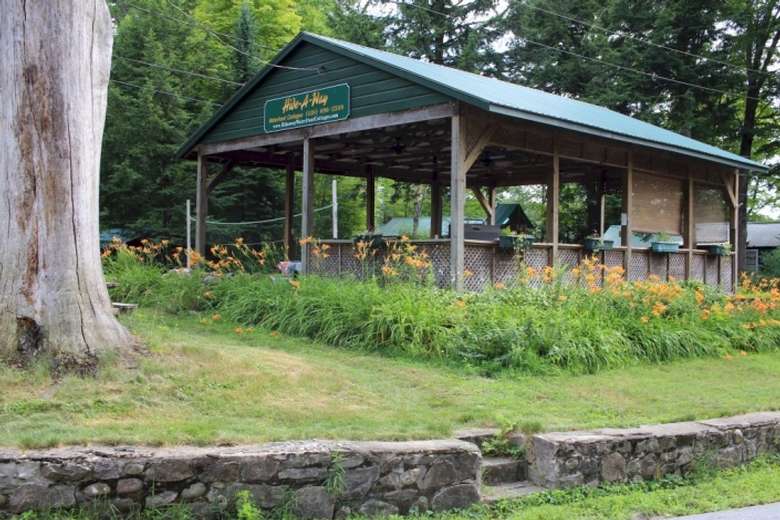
x=289 y=205
x=730 y=188
x=482 y=141
x=201 y=205
x=553 y=208
x=358 y=124
x=484 y=202
x=457 y=200
x=220 y=176
x=307 y=205
x=370 y=200
x=280 y=160
x=628 y=203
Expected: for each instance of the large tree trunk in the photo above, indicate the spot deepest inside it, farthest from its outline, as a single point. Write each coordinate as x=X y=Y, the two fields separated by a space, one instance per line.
x=55 y=59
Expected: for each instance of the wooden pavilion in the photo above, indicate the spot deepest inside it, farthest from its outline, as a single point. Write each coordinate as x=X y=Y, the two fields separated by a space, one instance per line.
x=333 y=107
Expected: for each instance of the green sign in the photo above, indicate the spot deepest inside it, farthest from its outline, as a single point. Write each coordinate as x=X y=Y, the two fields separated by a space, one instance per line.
x=314 y=107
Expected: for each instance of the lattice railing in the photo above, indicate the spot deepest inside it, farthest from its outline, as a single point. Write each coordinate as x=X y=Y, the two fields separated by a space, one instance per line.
x=486 y=265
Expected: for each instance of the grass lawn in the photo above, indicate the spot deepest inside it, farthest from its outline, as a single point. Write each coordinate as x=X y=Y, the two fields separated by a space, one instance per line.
x=206 y=383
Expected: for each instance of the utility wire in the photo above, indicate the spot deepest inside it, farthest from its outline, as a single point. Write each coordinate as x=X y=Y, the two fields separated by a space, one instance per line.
x=651 y=75
x=267 y=221
x=171 y=69
x=622 y=67
x=641 y=40
x=180 y=21
x=164 y=92
x=216 y=36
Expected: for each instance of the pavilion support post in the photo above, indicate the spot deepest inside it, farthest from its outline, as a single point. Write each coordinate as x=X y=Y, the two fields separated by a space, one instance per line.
x=690 y=234
x=457 y=200
x=628 y=203
x=289 y=205
x=307 y=206
x=370 y=200
x=435 y=205
x=735 y=233
x=201 y=205
x=492 y=203
x=553 y=209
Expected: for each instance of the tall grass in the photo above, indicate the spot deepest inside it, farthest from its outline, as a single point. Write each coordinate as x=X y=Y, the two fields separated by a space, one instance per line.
x=579 y=328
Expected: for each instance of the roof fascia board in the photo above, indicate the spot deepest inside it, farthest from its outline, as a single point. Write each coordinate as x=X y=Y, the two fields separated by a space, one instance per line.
x=187 y=147
x=560 y=123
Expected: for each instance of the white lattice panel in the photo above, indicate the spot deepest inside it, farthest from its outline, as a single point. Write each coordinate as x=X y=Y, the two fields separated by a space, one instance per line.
x=697 y=268
x=506 y=268
x=477 y=262
x=677 y=265
x=613 y=258
x=350 y=265
x=726 y=274
x=658 y=265
x=639 y=265
x=537 y=258
x=711 y=270
x=439 y=255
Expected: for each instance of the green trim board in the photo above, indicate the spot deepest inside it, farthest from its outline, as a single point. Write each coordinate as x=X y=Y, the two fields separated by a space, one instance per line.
x=308 y=108
x=440 y=84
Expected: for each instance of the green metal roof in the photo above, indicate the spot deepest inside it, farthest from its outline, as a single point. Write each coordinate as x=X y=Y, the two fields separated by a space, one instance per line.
x=505 y=98
x=506 y=210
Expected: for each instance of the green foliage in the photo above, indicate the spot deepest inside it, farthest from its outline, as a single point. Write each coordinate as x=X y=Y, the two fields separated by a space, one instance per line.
x=552 y=328
x=502 y=445
x=335 y=483
x=771 y=263
x=150 y=284
x=246 y=508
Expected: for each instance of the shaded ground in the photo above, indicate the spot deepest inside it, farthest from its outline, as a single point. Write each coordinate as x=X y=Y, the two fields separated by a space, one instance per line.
x=206 y=382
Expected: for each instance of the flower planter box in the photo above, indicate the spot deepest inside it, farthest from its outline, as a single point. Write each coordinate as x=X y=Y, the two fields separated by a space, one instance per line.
x=595 y=245
x=665 y=247
x=718 y=249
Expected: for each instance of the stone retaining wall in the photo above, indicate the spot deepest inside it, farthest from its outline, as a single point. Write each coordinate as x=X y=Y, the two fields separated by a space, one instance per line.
x=568 y=459
x=316 y=479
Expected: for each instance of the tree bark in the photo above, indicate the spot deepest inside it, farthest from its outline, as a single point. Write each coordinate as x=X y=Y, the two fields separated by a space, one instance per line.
x=55 y=59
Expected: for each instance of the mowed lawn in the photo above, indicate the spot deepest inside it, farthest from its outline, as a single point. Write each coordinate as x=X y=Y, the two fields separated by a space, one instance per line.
x=206 y=382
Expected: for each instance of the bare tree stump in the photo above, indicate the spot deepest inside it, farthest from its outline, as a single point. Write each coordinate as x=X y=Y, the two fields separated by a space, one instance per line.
x=55 y=58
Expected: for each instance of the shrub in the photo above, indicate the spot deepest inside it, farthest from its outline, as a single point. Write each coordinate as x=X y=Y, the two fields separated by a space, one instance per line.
x=583 y=326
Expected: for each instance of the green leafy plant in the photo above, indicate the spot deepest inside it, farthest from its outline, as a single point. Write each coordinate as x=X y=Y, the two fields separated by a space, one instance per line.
x=246 y=508
x=580 y=320
x=335 y=483
x=503 y=444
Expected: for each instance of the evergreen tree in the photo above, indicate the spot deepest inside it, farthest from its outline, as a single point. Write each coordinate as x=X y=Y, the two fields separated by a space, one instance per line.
x=245 y=52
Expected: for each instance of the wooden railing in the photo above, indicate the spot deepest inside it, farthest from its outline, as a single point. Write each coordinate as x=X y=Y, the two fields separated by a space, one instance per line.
x=487 y=265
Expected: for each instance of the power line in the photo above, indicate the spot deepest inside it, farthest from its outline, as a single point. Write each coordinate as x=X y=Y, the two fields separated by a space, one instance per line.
x=651 y=75
x=164 y=92
x=178 y=20
x=622 y=67
x=216 y=36
x=641 y=40
x=267 y=221
x=189 y=73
